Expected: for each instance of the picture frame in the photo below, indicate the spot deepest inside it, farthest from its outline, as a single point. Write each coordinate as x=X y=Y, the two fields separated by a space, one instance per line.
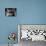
x=10 y=12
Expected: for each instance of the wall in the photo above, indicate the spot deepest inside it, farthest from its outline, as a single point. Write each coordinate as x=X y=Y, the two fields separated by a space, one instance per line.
x=28 y=12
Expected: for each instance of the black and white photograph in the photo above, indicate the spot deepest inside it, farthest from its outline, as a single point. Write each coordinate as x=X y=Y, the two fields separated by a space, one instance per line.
x=10 y=11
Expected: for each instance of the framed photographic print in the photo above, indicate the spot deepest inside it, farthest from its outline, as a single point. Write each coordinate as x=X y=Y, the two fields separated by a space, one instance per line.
x=10 y=11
